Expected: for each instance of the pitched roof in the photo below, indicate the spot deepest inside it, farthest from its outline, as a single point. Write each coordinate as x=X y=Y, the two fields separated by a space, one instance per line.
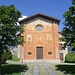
x=39 y=15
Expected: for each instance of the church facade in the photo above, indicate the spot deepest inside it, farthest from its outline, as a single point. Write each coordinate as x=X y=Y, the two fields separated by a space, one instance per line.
x=41 y=38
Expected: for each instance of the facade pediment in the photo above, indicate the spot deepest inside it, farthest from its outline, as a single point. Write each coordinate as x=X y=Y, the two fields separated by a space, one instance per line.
x=39 y=20
x=39 y=24
x=41 y=16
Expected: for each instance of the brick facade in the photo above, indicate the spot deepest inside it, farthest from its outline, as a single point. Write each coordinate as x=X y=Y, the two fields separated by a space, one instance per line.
x=41 y=38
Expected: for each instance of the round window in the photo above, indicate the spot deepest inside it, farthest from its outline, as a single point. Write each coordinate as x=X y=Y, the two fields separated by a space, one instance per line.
x=39 y=27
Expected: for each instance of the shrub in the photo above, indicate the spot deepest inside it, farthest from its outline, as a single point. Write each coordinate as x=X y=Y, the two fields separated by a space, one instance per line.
x=5 y=56
x=9 y=54
x=70 y=58
x=74 y=58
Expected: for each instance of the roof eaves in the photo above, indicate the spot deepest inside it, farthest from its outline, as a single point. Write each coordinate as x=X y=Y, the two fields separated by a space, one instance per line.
x=37 y=15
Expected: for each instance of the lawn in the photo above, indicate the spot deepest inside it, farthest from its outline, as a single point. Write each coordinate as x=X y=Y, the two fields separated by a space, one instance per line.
x=14 y=58
x=12 y=69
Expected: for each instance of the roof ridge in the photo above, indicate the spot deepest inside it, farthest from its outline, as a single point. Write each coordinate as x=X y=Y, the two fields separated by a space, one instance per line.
x=41 y=15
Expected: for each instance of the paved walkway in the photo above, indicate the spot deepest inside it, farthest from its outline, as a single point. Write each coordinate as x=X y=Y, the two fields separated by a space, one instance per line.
x=36 y=70
x=40 y=68
x=49 y=70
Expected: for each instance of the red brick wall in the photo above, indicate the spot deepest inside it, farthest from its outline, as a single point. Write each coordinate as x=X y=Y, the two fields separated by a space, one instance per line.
x=47 y=38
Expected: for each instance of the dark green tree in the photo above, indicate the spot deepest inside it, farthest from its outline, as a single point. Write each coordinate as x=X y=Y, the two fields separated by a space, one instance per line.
x=10 y=30
x=69 y=26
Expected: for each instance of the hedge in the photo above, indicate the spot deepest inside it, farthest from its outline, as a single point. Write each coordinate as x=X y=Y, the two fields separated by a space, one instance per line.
x=70 y=58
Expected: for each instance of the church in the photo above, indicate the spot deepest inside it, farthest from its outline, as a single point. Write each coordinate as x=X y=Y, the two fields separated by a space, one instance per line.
x=41 y=38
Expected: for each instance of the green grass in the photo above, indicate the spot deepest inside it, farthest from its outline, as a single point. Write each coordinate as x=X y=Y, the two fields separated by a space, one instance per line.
x=12 y=69
x=14 y=58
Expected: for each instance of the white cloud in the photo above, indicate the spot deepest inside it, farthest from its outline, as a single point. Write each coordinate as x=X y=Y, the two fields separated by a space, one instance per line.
x=21 y=18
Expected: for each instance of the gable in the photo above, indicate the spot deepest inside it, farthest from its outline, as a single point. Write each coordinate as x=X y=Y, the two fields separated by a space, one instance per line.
x=37 y=16
x=40 y=21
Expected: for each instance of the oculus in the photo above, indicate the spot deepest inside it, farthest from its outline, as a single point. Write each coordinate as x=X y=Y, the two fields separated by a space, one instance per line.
x=39 y=27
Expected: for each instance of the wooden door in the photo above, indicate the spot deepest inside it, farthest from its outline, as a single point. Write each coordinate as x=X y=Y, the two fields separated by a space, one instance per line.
x=39 y=52
x=61 y=56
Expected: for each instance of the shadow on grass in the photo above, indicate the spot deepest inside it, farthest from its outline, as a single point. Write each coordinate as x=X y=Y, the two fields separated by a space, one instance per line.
x=67 y=69
x=12 y=68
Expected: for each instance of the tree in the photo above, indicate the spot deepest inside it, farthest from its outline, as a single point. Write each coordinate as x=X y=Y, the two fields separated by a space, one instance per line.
x=69 y=26
x=10 y=30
